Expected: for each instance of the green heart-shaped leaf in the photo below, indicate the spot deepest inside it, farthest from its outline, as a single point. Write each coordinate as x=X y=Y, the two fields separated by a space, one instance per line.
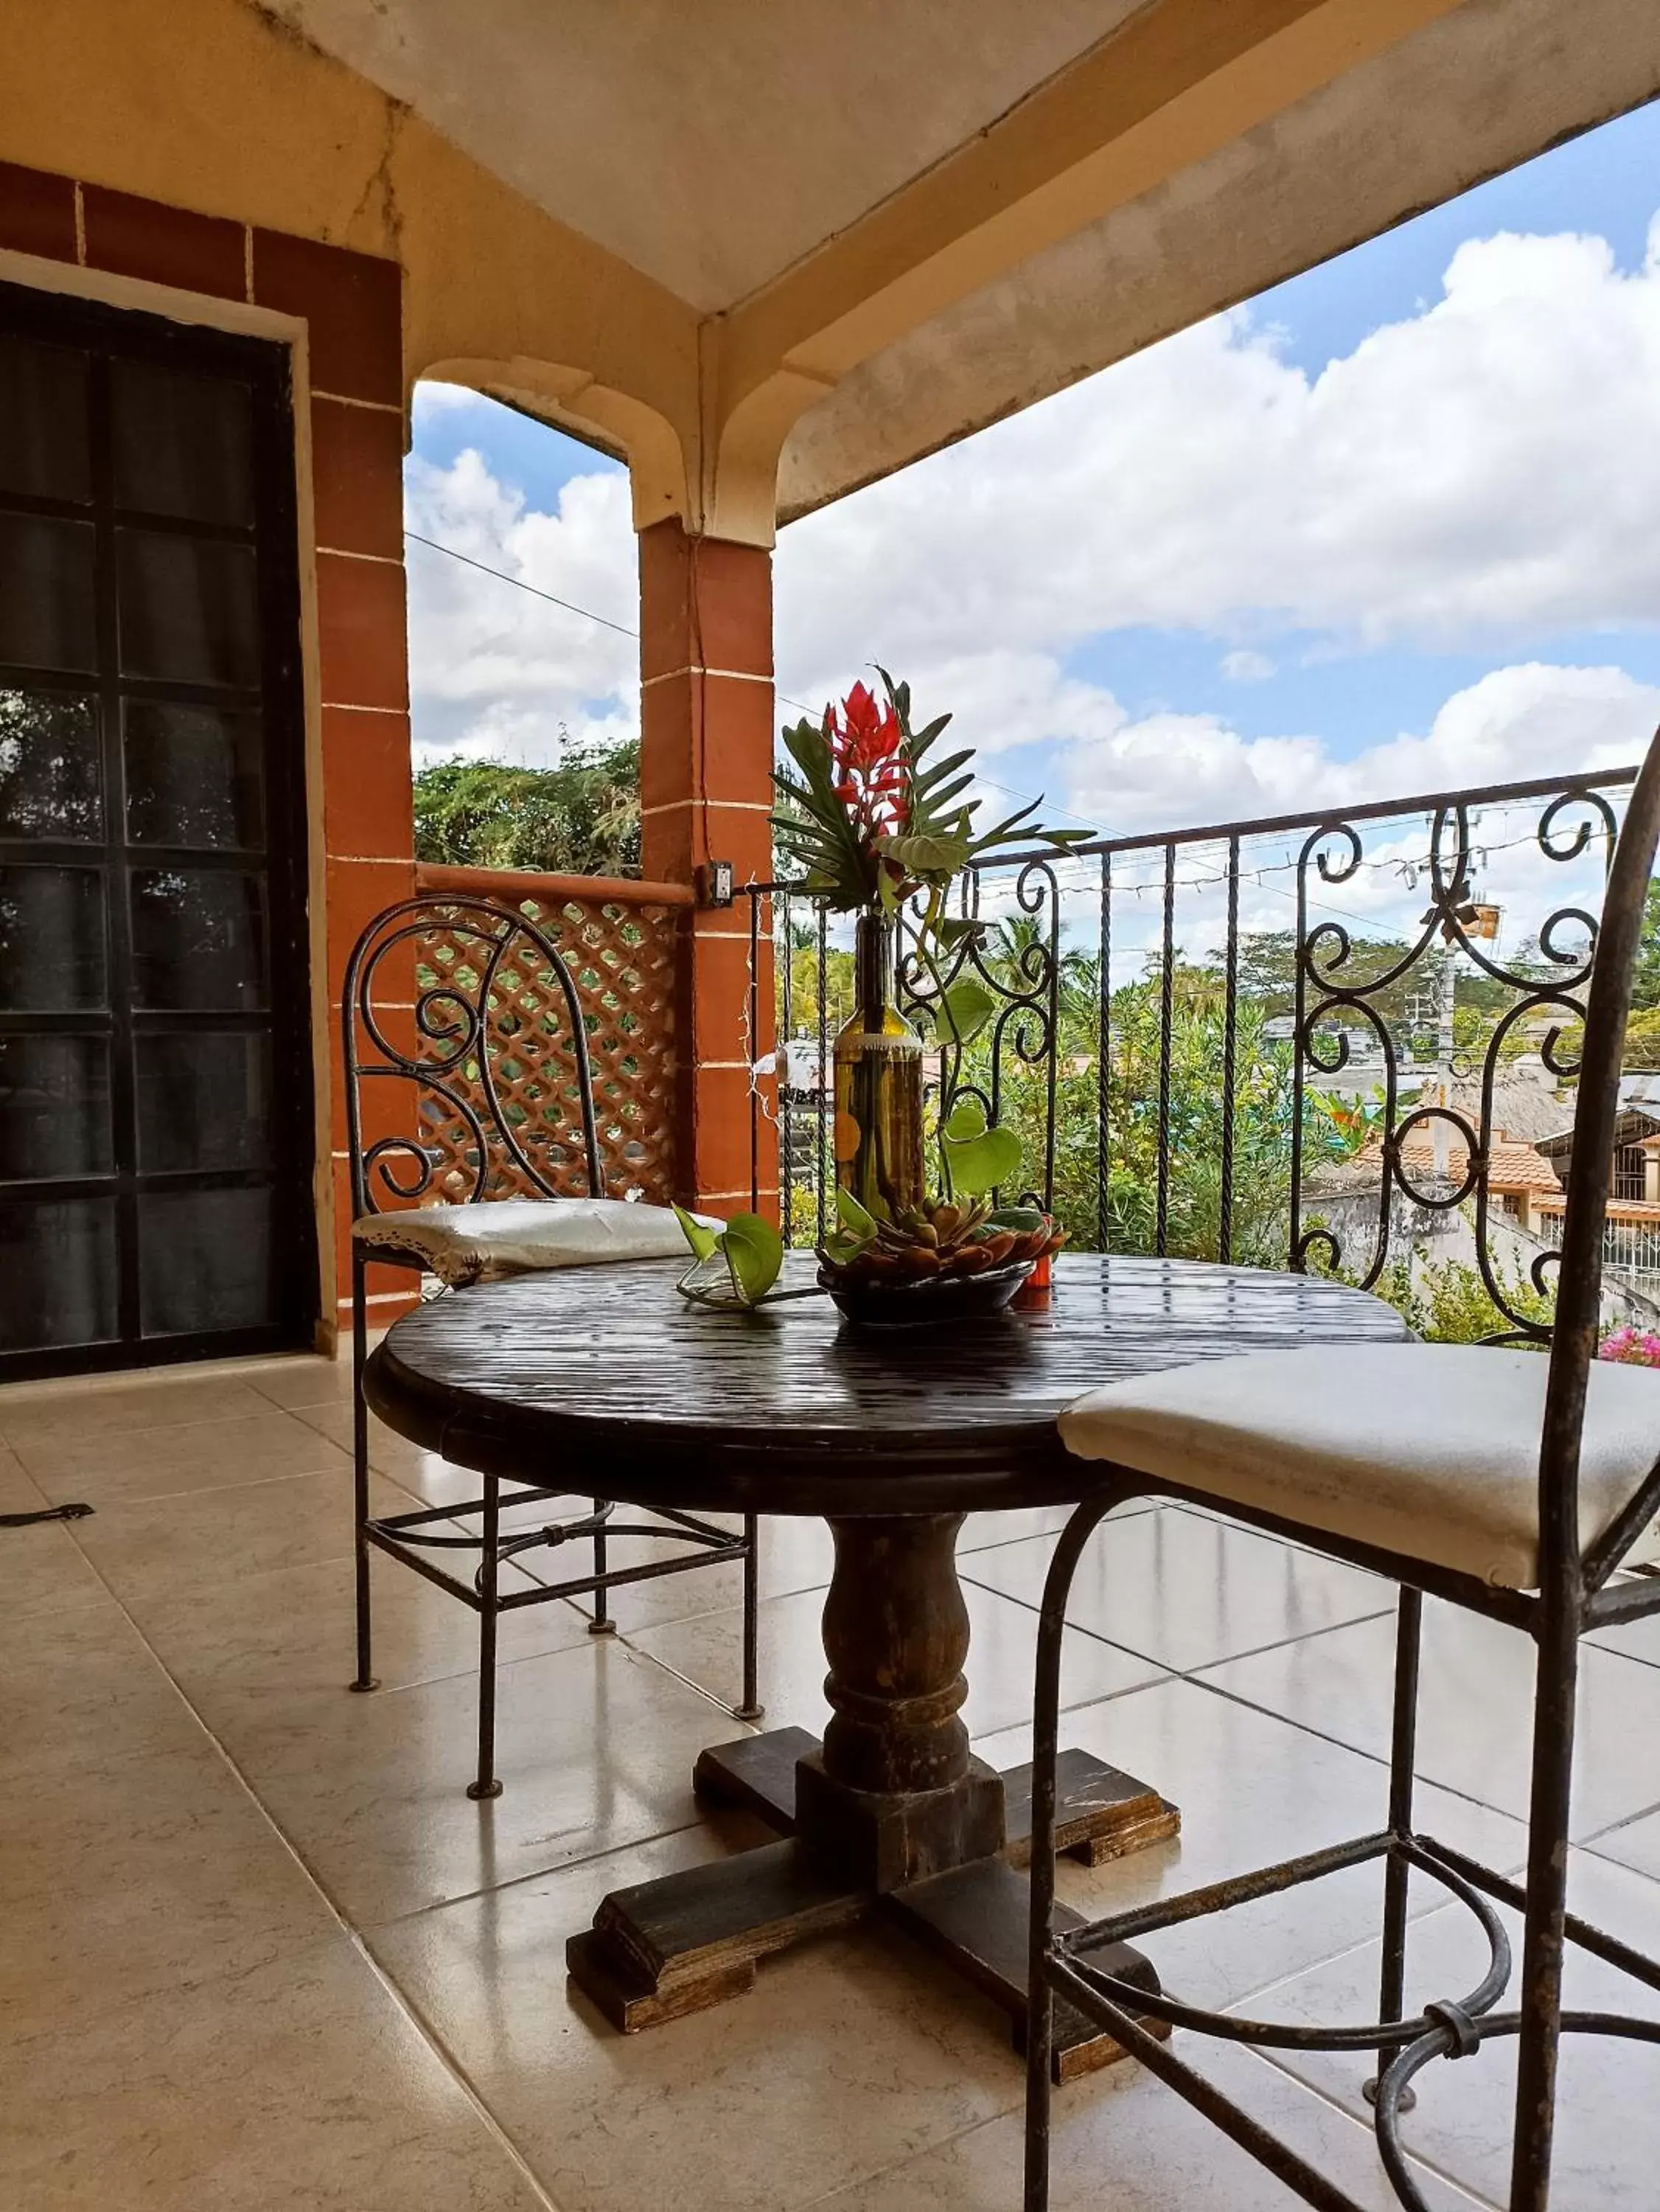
x=704 y=1241
x=980 y=1161
x=965 y=1010
x=754 y=1253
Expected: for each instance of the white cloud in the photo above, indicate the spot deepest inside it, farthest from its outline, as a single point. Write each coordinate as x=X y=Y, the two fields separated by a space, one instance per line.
x=433 y=396
x=1526 y=720
x=1479 y=473
x=1529 y=720
x=497 y=672
x=1248 y=666
x=1477 y=476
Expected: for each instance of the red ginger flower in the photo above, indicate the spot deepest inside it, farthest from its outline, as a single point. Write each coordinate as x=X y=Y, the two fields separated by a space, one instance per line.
x=865 y=736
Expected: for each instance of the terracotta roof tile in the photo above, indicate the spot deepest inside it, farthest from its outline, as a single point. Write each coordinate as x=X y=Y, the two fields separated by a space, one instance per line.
x=1513 y=1166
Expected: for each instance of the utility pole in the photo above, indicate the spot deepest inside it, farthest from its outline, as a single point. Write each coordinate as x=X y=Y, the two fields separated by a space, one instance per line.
x=1478 y=922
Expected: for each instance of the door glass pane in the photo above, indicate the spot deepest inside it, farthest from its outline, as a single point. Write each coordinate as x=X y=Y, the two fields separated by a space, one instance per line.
x=204 y=1101
x=54 y=1106
x=198 y=939
x=194 y=776
x=58 y=1275
x=183 y=444
x=47 y=609
x=43 y=421
x=189 y=609
x=52 y=939
x=50 y=777
x=204 y=1260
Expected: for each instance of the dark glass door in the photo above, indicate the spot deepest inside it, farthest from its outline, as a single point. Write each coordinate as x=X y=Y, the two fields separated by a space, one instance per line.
x=155 y=1089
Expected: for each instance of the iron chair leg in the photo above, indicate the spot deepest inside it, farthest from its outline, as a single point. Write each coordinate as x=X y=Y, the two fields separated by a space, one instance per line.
x=1541 y=1993
x=751 y=1709
x=365 y=1678
x=1403 y=1746
x=601 y=1623
x=1046 y=1732
x=487 y=1784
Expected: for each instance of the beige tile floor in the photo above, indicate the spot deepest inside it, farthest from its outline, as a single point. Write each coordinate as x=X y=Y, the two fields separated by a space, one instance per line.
x=260 y=1953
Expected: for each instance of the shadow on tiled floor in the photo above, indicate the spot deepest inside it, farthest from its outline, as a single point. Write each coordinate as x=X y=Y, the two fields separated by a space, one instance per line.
x=262 y=1953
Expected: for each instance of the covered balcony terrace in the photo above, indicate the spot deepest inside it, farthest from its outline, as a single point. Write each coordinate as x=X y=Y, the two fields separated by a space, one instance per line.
x=261 y=1949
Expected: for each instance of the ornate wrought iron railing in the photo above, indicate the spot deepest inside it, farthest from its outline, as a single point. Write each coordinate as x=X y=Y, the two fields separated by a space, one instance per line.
x=1190 y=1078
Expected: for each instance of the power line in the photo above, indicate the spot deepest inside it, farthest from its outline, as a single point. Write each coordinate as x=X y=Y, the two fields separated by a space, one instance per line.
x=519 y=584
x=623 y=630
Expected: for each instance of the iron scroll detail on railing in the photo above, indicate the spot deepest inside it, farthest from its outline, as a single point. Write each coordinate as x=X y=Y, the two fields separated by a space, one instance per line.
x=1025 y=1027
x=1325 y=947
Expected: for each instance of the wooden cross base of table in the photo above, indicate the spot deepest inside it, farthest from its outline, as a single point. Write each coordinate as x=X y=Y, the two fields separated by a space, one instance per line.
x=691 y=1939
x=891 y=1814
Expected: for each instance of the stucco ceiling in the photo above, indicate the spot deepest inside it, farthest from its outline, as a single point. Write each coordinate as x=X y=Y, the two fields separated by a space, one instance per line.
x=714 y=144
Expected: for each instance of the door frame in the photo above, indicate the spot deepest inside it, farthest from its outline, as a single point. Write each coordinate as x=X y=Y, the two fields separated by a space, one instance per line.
x=297 y=697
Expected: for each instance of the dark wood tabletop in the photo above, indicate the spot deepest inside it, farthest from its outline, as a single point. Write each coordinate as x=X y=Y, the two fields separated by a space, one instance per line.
x=605 y=1378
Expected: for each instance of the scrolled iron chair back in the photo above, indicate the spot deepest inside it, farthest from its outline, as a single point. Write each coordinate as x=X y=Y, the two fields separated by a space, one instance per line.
x=463 y=1021
x=1578 y=1303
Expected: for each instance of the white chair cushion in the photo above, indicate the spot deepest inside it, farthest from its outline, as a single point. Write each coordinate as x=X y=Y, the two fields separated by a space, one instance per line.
x=463 y=1244
x=1429 y=1449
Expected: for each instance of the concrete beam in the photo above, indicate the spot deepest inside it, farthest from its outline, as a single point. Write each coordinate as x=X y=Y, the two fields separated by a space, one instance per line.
x=1178 y=81
x=1491 y=85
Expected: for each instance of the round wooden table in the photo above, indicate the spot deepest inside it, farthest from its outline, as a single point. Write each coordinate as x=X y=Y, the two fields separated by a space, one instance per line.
x=603 y=1380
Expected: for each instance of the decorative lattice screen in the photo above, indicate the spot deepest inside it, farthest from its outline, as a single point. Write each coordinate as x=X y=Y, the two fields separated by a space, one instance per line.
x=621 y=953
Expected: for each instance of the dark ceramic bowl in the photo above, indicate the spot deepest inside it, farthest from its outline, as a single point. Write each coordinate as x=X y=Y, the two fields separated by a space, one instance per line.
x=868 y=1303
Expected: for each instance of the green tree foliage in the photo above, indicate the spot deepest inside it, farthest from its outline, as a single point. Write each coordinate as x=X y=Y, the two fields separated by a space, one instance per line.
x=1262 y=1114
x=1268 y=974
x=803 y=956
x=580 y=818
x=1446 y=1302
x=1645 y=979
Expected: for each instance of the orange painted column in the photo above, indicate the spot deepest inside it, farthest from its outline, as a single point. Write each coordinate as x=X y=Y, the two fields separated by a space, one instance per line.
x=706 y=794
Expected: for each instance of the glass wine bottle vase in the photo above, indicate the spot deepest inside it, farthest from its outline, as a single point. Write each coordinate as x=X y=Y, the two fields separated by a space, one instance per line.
x=878 y=1131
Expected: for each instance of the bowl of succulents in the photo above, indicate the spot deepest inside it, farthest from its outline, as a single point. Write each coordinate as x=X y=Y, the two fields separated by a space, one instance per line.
x=946 y=1260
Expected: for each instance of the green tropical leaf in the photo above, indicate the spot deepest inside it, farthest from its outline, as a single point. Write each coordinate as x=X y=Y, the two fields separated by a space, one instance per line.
x=979 y=1163
x=964 y=1011
x=704 y=1241
x=855 y=1228
x=938 y=801
x=754 y=1253
x=857 y=1220
x=949 y=766
x=926 y=854
x=978 y=1159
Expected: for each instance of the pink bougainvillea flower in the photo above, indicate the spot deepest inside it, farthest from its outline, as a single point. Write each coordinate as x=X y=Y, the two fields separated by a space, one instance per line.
x=1633 y=1347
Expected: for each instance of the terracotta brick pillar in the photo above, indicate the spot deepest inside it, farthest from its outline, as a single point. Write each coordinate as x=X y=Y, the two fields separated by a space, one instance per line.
x=705 y=794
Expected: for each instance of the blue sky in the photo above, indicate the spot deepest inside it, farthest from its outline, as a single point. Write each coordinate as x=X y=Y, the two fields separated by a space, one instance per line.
x=1391 y=521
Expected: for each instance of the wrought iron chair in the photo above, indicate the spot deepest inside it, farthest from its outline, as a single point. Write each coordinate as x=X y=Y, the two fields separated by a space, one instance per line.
x=1501 y=1480
x=462 y=1010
